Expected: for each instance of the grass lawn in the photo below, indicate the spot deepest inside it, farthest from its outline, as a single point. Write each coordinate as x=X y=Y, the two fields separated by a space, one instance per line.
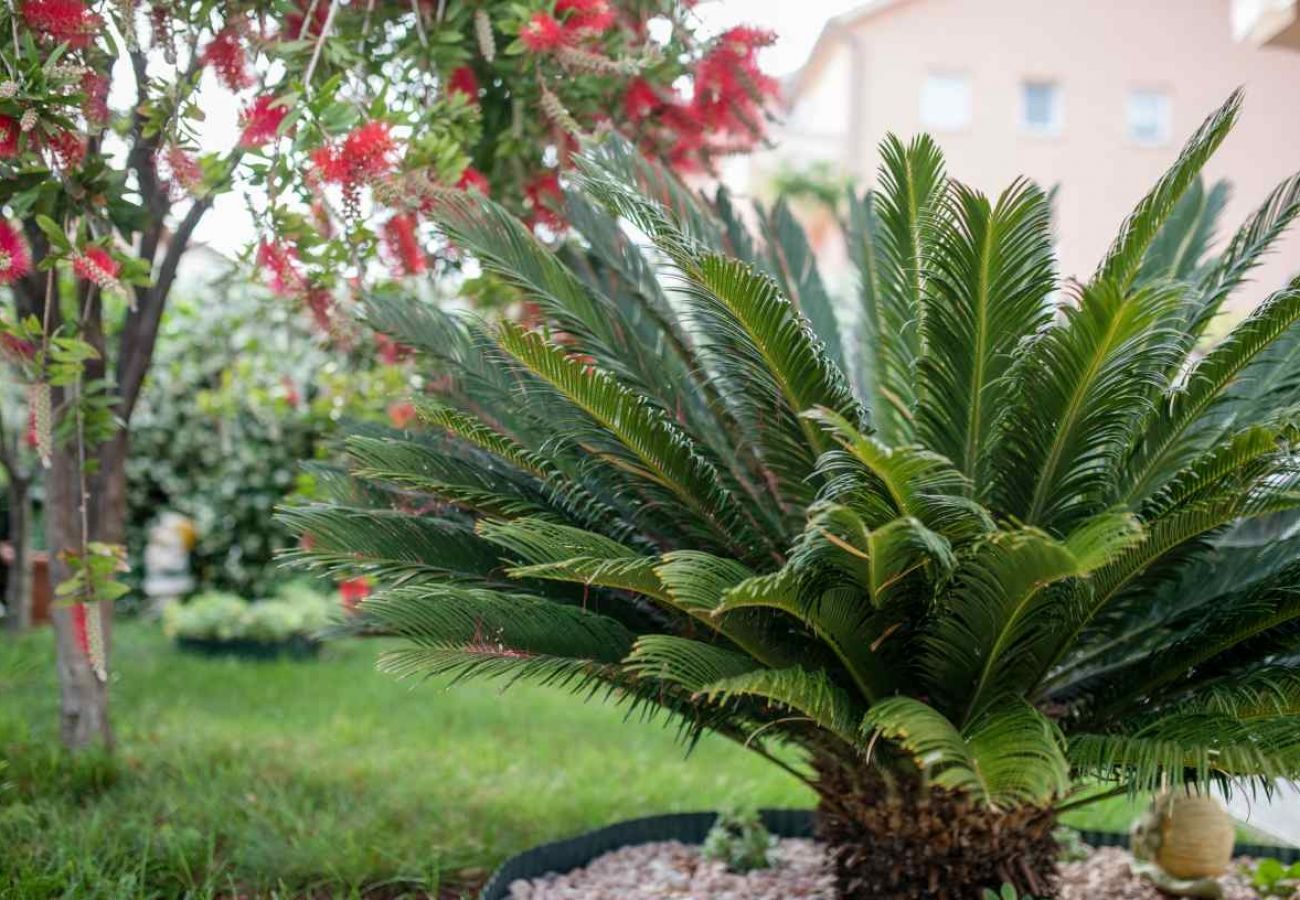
x=328 y=779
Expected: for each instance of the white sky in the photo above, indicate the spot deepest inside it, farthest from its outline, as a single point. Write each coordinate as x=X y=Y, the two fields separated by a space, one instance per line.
x=228 y=227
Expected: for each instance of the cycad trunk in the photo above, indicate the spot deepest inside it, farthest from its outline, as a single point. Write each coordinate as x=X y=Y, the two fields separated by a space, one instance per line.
x=902 y=841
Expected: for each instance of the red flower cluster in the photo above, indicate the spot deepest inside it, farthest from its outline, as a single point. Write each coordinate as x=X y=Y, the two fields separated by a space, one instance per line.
x=15 y=258
x=94 y=264
x=261 y=121
x=390 y=351
x=473 y=180
x=296 y=26
x=185 y=171
x=16 y=348
x=353 y=591
x=286 y=280
x=546 y=199
x=463 y=81
x=403 y=245
x=401 y=414
x=9 y=132
x=62 y=20
x=225 y=53
x=68 y=147
x=95 y=105
x=365 y=154
x=725 y=111
x=543 y=33
x=589 y=16
x=80 y=633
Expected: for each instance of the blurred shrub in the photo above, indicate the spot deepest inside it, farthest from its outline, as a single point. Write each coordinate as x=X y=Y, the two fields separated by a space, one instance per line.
x=243 y=390
x=295 y=611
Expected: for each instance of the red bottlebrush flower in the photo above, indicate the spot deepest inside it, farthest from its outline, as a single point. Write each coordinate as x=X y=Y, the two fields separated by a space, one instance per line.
x=543 y=33
x=390 y=351
x=185 y=170
x=9 y=132
x=365 y=154
x=94 y=264
x=261 y=121
x=640 y=99
x=16 y=348
x=296 y=25
x=545 y=198
x=95 y=103
x=15 y=258
x=352 y=591
x=473 y=180
x=32 y=438
x=320 y=303
x=281 y=262
x=68 y=149
x=403 y=245
x=291 y=395
x=585 y=16
x=80 y=633
x=62 y=20
x=463 y=81
x=225 y=53
x=401 y=414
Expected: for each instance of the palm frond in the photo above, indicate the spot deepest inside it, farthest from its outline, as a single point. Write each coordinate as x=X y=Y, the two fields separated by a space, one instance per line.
x=809 y=693
x=1179 y=249
x=1012 y=756
x=1124 y=259
x=985 y=293
x=791 y=262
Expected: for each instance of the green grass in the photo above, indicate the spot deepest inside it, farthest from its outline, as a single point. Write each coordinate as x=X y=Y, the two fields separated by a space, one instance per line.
x=329 y=780
x=321 y=777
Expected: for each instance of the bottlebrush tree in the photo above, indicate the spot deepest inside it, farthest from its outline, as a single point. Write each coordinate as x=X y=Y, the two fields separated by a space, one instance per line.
x=348 y=111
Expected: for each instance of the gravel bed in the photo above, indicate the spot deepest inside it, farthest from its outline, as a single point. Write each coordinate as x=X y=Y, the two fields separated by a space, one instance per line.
x=670 y=869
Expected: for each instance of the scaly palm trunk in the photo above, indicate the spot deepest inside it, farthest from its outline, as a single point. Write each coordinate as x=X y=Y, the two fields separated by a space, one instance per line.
x=898 y=840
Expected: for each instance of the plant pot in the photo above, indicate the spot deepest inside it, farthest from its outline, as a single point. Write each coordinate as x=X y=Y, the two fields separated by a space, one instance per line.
x=691 y=828
x=1196 y=836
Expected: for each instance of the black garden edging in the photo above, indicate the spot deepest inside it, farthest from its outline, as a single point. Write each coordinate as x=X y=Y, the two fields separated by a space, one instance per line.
x=690 y=828
x=242 y=648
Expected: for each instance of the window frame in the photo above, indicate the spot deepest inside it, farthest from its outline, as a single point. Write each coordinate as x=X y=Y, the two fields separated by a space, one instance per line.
x=1056 y=123
x=1164 y=115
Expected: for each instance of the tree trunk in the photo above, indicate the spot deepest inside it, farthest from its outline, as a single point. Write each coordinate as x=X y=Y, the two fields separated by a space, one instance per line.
x=18 y=588
x=904 y=841
x=83 y=692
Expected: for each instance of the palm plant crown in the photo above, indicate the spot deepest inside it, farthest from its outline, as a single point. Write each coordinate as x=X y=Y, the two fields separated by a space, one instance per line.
x=992 y=545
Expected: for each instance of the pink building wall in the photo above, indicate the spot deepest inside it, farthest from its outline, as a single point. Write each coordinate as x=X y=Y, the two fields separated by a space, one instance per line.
x=1096 y=51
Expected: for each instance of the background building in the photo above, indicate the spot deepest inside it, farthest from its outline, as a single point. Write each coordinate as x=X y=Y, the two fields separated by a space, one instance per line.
x=1095 y=96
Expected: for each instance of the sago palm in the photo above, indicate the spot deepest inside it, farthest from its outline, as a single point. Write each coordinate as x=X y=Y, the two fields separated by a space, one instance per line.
x=989 y=549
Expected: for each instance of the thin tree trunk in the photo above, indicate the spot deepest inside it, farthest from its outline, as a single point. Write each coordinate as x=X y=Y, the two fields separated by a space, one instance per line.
x=18 y=588
x=83 y=721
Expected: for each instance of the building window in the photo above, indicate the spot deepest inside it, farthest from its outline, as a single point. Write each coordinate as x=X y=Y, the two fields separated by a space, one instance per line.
x=946 y=102
x=1148 y=117
x=1040 y=107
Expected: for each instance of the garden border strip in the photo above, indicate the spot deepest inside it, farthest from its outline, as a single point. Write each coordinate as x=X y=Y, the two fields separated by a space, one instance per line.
x=691 y=827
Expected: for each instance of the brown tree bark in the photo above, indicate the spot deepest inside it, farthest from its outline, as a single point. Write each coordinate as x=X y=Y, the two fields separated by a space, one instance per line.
x=18 y=588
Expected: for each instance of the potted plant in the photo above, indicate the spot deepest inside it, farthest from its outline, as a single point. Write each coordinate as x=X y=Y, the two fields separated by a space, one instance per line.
x=952 y=566
x=217 y=623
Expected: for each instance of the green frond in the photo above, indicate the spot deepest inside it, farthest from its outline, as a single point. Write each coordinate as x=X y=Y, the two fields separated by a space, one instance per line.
x=647 y=445
x=461 y=663
x=1085 y=386
x=994 y=624
x=683 y=662
x=791 y=261
x=986 y=292
x=909 y=195
x=445 y=615
x=1124 y=259
x=862 y=234
x=808 y=693
x=475 y=485
x=1203 y=747
x=1244 y=252
x=1164 y=445
x=1011 y=756
x=1178 y=251
x=1264 y=693
x=396 y=544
